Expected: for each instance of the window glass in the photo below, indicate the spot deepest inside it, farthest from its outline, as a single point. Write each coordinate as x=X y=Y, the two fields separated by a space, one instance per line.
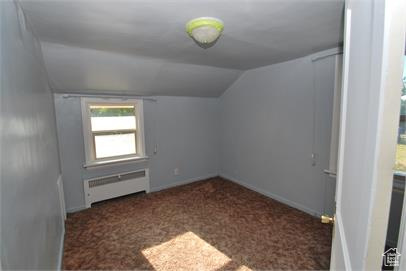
x=104 y=118
x=114 y=145
x=113 y=129
x=401 y=148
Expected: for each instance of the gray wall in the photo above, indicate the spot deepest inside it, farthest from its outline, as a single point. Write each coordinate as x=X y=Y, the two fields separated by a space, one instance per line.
x=269 y=132
x=185 y=131
x=31 y=223
x=260 y=133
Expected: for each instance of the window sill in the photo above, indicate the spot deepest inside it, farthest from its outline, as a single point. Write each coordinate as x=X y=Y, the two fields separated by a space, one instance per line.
x=116 y=161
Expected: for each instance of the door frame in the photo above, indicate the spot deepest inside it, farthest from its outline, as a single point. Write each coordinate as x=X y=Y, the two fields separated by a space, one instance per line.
x=389 y=78
x=338 y=230
x=384 y=26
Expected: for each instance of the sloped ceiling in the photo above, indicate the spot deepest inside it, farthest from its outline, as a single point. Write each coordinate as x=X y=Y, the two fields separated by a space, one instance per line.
x=140 y=47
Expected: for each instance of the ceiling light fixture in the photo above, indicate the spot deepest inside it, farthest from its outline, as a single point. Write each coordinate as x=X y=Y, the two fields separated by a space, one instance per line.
x=205 y=30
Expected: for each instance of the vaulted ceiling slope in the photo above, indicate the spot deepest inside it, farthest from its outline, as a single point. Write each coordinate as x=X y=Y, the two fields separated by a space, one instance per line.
x=140 y=46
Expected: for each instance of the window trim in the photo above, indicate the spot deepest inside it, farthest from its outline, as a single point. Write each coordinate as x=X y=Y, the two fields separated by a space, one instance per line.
x=89 y=146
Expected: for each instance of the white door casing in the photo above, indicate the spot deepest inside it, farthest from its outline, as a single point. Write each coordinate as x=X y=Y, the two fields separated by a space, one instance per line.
x=372 y=69
x=339 y=253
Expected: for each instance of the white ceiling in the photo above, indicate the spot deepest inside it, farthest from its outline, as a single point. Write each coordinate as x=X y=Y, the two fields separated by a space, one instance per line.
x=141 y=46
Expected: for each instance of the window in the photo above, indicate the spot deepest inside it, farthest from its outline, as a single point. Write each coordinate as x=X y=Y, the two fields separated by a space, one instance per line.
x=112 y=129
x=401 y=148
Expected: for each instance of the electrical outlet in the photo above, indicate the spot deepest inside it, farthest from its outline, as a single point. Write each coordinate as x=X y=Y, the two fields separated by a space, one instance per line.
x=176 y=171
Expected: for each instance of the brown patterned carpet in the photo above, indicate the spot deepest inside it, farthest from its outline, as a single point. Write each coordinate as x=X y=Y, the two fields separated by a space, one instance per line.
x=208 y=225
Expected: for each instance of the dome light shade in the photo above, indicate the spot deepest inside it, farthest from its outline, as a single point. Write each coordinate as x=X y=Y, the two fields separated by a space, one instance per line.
x=205 y=30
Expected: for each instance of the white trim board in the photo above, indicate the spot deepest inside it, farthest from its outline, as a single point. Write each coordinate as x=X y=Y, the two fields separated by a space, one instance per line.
x=61 y=246
x=273 y=196
x=59 y=183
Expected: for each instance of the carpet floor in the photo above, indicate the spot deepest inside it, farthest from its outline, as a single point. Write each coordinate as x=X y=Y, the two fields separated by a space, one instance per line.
x=208 y=225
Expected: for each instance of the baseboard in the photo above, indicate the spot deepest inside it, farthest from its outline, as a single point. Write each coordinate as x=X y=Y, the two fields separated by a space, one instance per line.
x=188 y=181
x=60 y=256
x=273 y=196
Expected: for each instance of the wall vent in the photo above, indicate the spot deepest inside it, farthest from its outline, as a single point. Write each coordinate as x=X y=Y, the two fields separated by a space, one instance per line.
x=116 y=178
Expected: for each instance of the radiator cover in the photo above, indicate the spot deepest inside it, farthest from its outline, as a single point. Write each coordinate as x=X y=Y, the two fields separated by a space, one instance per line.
x=107 y=187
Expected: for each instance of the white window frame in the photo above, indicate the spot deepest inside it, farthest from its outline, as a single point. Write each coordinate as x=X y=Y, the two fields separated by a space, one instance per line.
x=90 y=150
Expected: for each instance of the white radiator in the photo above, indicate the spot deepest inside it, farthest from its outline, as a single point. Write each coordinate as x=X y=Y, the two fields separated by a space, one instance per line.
x=107 y=187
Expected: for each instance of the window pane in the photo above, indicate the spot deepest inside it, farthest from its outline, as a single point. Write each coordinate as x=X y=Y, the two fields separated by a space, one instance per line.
x=401 y=150
x=114 y=145
x=106 y=117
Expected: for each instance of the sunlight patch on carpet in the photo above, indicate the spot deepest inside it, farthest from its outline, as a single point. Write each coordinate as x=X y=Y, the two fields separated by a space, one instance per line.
x=186 y=252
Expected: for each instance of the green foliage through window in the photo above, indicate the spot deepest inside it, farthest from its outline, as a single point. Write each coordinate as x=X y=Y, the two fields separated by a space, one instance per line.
x=401 y=148
x=112 y=112
x=403 y=100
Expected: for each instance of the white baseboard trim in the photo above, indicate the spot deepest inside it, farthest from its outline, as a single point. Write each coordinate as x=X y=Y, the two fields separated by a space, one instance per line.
x=273 y=196
x=60 y=256
x=188 y=181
